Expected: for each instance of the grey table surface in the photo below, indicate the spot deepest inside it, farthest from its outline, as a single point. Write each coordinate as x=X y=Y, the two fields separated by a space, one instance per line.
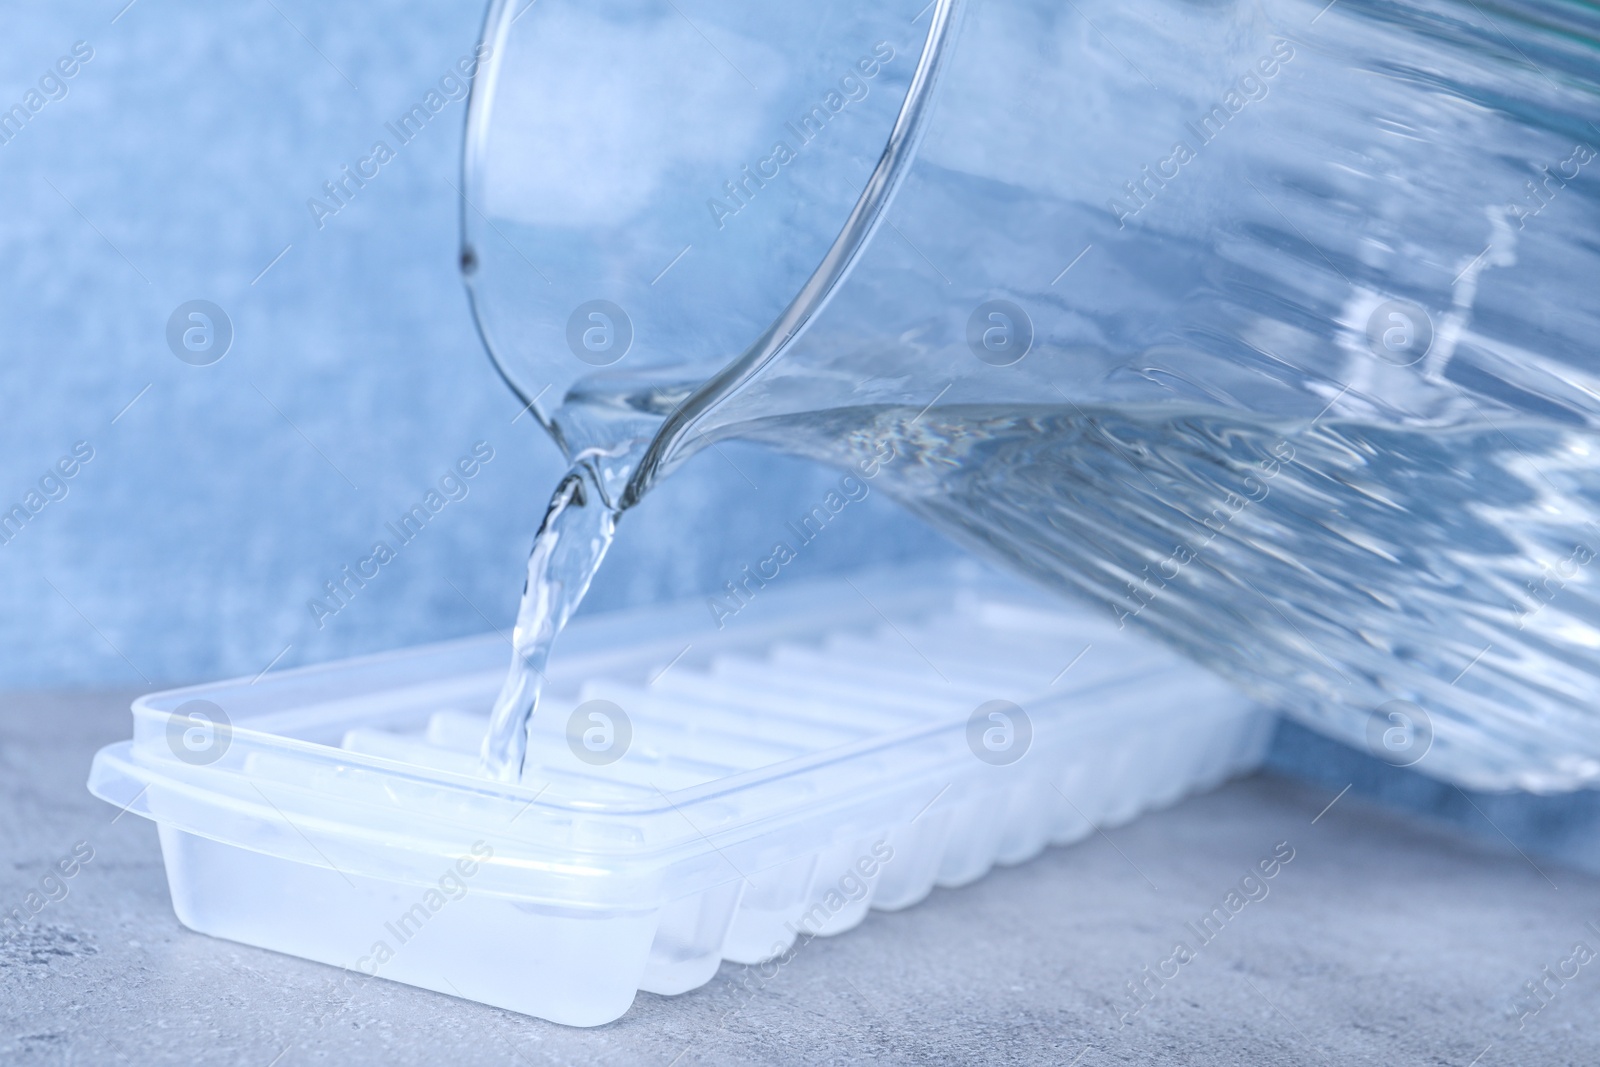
x=1383 y=941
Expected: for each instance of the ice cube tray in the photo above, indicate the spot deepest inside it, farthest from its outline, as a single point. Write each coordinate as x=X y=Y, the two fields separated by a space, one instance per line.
x=832 y=749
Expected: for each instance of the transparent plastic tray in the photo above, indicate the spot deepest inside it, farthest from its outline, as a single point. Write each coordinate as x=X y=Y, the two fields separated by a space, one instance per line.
x=835 y=747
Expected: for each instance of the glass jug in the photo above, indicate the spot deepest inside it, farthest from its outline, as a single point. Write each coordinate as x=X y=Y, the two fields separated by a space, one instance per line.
x=1268 y=325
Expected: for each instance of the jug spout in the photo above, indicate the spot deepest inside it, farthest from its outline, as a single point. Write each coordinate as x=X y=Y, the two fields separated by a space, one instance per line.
x=620 y=203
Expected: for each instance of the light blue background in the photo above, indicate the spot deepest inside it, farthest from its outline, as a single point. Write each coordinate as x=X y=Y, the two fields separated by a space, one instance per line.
x=177 y=168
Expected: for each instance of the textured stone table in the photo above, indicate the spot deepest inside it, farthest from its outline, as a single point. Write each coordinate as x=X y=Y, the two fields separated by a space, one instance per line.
x=1382 y=941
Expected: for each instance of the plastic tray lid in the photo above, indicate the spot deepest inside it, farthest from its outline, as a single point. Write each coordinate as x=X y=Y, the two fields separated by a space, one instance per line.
x=817 y=709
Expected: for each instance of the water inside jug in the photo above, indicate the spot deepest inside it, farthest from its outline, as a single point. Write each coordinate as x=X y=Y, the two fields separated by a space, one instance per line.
x=1266 y=325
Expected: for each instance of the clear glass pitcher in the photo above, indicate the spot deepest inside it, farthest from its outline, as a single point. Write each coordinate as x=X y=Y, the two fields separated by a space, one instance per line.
x=1269 y=325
